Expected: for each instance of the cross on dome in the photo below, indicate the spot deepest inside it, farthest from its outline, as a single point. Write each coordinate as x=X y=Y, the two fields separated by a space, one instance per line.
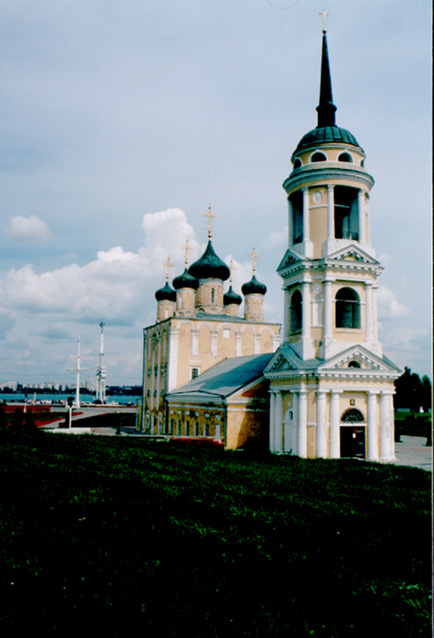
x=167 y=267
x=232 y=268
x=254 y=257
x=186 y=248
x=210 y=216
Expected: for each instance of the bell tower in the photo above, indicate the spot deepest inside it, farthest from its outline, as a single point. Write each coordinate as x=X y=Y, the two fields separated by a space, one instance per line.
x=331 y=388
x=329 y=271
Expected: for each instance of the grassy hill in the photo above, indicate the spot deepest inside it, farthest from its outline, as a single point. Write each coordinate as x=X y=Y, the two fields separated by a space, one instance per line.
x=115 y=536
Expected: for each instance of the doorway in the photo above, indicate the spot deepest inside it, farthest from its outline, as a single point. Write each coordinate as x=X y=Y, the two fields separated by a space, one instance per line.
x=353 y=435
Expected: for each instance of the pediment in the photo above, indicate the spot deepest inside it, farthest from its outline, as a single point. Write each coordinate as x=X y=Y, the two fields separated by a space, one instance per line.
x=283 y=360
x=289 y=259
x=353 y=253
x=358 y=359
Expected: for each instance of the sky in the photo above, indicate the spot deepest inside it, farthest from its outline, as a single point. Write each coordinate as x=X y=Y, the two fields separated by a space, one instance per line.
x=121 y=122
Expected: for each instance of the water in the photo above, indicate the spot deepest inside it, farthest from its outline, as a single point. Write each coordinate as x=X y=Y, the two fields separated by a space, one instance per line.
x=19 y=397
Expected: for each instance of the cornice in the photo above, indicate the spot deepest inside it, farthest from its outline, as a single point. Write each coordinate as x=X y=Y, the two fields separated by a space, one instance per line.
x=306 y=174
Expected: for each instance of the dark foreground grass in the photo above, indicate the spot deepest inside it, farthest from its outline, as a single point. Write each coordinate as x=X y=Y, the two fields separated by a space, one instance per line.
x=113 y=536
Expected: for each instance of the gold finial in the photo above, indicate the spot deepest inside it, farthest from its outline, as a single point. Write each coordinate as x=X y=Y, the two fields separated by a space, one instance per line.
x=232 y=269
x=254 y=257
x=210 y=216
x=186 y=248
x=167 y=267
x=324 y=16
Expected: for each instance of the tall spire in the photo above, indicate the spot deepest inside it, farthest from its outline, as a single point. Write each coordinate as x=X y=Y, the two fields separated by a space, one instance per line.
x=326 y=109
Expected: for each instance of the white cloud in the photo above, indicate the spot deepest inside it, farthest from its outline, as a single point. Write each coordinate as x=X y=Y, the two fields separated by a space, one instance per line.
x=29 y=229
x=388 y=305
x=277 y=239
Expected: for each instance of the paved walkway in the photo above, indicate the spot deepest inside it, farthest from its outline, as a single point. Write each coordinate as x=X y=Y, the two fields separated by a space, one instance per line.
x=413 y=451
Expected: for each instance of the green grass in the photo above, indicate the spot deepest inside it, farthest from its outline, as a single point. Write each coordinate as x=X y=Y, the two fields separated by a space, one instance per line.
x=120 y=537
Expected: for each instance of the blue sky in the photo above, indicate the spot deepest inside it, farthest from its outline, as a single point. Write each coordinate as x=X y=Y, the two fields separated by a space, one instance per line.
x=121 y=122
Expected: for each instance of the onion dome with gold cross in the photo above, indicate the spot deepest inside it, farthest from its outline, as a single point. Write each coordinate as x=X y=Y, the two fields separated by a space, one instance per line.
x=209 y=266
x=185 y=281
x=231 y=297
x=253 y=287
x=166 y=293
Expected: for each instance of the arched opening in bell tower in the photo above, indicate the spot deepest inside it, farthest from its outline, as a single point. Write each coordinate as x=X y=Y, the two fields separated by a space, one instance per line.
x=296 y=312
x=347 y=309
x=346 y=212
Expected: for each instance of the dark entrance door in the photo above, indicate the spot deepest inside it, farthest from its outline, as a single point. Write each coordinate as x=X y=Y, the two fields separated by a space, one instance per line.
x=353 y=441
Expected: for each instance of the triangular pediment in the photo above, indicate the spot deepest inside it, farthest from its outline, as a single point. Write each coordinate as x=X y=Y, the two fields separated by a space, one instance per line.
x=353 y=253
x=283 y=360
x=359 y=359
x=290 y=258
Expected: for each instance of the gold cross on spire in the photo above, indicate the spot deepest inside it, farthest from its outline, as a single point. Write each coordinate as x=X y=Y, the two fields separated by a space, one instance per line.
x=186 y=248
x=232 y=269
x=254 y=257
x=167 y=267
x=324 y=16
x=210 y=216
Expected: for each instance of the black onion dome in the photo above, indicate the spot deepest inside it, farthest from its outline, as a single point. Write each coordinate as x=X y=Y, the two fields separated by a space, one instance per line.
x=253 y=287
x=231 y=297
x=209 y=266
x=185 y=281
x=165 y=294
x=324 y=135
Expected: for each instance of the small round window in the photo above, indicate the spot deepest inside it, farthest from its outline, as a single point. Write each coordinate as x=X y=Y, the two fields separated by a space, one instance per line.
x=297 y=163
x=345 y=157
x=318 y=157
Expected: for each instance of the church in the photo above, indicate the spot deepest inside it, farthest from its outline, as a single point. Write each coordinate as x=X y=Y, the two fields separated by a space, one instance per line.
x=324 y=388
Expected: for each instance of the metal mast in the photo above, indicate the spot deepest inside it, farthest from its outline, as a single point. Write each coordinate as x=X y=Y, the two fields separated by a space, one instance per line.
x=101 y=373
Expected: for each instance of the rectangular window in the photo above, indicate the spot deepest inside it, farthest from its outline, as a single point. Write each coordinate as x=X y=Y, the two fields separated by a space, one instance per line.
x=178 y=427
x=196 y=428
x=187 y=428
x=226 y=333
x=171 y=426
x=346 y=213
x=206 y=429
x=194 y=373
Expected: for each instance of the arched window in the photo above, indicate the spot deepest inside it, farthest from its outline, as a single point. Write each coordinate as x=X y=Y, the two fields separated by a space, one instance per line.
x=352 y=416
x=297 y=163
x=212 y=295
x=354 y=364
x=345 y=157
x=347 y=309
x=318 y=157
x=295 y=311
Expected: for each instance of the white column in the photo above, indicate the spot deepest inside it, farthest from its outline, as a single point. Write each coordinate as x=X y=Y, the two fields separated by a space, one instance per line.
x=335 y=444
x=327 y=310
x=368 y=219
x=362 y=217
x=194 y=341
x=372 y=427
x=278 y=442
x=257 y=343
x=271 y=421
x=392 y=426
x=368 y=311
x=302 y=424
x=290 y=229
x=385 y=426
x=238 y=343
x=305 y=214
x=374 y=314
x=285 y=315
x=173 y=358
x=306 y=310
x=330 y=212
x=321 y=438
x=214 y=335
